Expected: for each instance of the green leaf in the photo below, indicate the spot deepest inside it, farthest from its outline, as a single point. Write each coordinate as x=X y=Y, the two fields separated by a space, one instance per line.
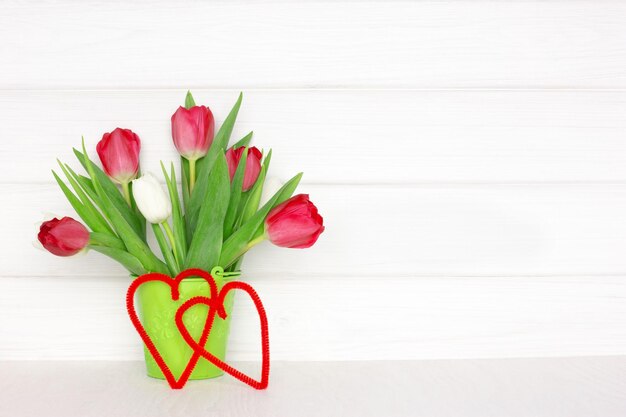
x=135 y=245
x=252 y=203
x=189 y=101
x=84 y=182
x=236 y=189
x=127 y=260
x=105 y=239
x=237 y=244
x=100 y=224
x=112 y=192
x=177 y=216
x=206 y=245
x=236 y=266
x=165 y=250
x=78 y=206
x=184 y=173
x=204 y=167
x=245 y=141
x=136 y=211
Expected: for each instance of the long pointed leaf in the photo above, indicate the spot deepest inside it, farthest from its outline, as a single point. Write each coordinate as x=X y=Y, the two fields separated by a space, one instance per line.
x=237 y=244
x=204 y=167
x=127 y=260
x=135 y=245
x=100 y=223
x=78 y=206
x=112 y=192
x=245 y=141
x=189 y=101
x=105 y=239
x=252 y=203
x=135 y=210
x=236 y=189
x=184 y=183
x=84 y=182
x=178 y=222
x=206 y=244
x=165 y=250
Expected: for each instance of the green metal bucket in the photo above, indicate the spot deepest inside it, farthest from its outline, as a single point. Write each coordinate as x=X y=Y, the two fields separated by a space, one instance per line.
x=157 y=311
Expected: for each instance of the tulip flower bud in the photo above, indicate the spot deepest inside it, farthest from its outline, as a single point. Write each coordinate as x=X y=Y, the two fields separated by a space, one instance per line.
x=119 y=154
x=151 y=199
x=294 y=223
x=253 y=165
x=192 y=131
x=65 y=237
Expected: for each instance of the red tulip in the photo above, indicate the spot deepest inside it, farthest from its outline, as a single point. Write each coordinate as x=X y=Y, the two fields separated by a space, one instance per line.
x=65 y=237
x=294 y=223
x=253 y=165
x=192 y=131
x=119 y=154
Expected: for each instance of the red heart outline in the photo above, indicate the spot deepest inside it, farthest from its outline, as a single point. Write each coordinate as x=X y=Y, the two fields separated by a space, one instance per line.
x=218 y=307
x=174 y=284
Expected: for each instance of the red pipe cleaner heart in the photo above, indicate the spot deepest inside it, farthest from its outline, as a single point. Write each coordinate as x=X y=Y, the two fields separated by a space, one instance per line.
x=174 y=284
x=218 y=307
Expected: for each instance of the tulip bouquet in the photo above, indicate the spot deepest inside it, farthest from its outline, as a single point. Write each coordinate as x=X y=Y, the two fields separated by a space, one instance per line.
x=218 y=220
x=207 y=220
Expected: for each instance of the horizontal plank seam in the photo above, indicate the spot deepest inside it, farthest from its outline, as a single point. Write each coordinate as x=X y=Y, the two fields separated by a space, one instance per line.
x=356 y=362
x=281 y=276
x=486 y=89
x=405 y=184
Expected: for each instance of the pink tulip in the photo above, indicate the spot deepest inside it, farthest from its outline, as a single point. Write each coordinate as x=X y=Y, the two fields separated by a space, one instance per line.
x=65 y=237
x=253 y=165
x=119 y=154
x=294 y=223
x=192 y=131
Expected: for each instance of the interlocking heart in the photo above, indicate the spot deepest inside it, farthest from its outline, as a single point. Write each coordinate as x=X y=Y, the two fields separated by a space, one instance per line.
x=215 y=304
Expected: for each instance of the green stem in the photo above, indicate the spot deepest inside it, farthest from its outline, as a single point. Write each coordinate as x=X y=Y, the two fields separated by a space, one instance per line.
x=170 y=236
x=170 y=260
x=192 y=174
x=126 y=192
x=255 y=242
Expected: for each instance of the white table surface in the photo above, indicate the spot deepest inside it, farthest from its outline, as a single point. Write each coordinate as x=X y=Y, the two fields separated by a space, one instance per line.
x=590 y=386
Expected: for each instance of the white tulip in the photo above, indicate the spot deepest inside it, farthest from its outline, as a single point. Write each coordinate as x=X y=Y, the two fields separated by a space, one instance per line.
x=271 y=187
x=151 y=199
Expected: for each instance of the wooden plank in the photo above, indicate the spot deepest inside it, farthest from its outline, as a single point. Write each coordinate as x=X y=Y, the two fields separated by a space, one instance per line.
x=453 y=44
x=359 y=137
x=572 y=387
x=338 y=318
x=381 y=231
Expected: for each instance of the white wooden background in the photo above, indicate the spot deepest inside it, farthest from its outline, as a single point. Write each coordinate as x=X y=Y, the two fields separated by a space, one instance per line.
x=469 y=159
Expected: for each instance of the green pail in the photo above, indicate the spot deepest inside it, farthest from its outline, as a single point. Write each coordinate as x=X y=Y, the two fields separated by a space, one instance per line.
x=157 y=311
